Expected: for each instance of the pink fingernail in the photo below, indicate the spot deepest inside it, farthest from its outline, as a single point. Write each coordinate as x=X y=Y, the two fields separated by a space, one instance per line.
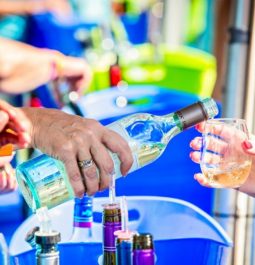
x=247 y=144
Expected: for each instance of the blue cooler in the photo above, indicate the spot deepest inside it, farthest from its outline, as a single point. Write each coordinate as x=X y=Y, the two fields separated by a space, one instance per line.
x=183 y=234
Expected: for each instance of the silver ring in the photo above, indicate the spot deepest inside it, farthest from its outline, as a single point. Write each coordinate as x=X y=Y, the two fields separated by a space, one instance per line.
x=85 y=163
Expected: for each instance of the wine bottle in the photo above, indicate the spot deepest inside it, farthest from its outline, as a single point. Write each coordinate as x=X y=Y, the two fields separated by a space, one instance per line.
x=143 y=249
x=47 y=252
x=83 y=219
x=111 y=224
x=43 y=180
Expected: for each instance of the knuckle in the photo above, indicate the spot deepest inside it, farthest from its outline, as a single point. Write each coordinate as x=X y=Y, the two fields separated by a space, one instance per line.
x=78 y=137
x=104 y=183
x=75 y=177
x=79 y=191
x=63 y=147
x=103 y=186
x=91 y=173
x=92 y=123
x=92 y=190
x=109 y=165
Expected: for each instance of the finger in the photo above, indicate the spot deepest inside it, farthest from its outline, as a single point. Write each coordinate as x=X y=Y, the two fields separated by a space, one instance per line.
x=89 y=173
x=202 y=180
x=4 y=118
x=10 y=110
x=196 y=143
x=200 y=127
x=104 y=164
x=19 y=122
x=248 y=147
x=208 y=158
x=195 y=156
x=5 y=159
x=7 y=138
x=10 y=175
x=3 y=180
x=215 y=144
x=118 y=145
x=74 y=174
x=226 y=132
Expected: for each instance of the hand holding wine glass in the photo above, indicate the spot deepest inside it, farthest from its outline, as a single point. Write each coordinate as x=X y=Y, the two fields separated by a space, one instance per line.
x=225 y=155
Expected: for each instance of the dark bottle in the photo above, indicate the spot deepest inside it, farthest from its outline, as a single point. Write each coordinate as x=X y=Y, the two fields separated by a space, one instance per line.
x=111 y=224
x=46 y=248
x=143 y=250
x=115 y=73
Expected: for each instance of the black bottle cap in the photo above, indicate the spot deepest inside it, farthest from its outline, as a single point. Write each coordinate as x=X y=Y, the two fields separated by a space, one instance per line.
x=43 y=239
x=192 y=115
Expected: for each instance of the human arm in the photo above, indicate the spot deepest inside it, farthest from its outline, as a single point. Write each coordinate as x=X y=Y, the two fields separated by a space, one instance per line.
x=14 y=120
x=71 y=138
x=29 y=7
x=23 y=68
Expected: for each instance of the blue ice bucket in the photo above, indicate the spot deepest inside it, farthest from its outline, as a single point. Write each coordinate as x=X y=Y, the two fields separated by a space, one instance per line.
x=183 y=233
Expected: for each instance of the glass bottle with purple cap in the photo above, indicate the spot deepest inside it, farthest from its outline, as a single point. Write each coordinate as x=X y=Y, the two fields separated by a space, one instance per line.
x=111 y=224
x=143 y=249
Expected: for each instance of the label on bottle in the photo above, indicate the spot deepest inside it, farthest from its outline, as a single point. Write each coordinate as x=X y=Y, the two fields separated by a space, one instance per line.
x=122 y=132
x=83 y=215
x=40 y=173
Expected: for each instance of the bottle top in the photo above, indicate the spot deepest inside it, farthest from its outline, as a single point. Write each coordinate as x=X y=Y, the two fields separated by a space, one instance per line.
x=210 y=107
x=142 y=241
x=85 y=200
x=44 y=239
x=111 y=213
x=197 y=112
x=122 y=235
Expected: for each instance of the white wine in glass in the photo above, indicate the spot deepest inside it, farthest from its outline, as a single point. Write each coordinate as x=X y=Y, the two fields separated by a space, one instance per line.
x=223 y=161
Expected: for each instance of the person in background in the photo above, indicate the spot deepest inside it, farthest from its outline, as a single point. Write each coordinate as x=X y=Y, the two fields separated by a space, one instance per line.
x=23 y=68
x=69 y=138
x=248 y=147
x=12 y=120
x=60 y=8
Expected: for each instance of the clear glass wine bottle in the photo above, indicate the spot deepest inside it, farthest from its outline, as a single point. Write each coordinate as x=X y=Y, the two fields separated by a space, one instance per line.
x=43 y=180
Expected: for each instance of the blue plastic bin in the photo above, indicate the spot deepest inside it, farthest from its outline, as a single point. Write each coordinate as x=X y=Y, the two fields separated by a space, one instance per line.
x=183 y=234
x=47 y=31
x=172 y=174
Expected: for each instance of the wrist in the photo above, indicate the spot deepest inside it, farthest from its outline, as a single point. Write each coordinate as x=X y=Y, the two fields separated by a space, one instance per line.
x=32 y=7
x=32 y=116
x=56 y=64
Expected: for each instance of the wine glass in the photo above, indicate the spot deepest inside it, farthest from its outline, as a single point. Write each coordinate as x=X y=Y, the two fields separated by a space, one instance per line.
x=223 y=161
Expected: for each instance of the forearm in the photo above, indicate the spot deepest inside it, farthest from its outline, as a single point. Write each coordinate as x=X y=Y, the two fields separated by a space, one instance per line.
x=23 y=67
x=20 y=7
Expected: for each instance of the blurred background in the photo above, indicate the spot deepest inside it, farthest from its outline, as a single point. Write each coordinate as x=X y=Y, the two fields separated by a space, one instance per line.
x=151 y=56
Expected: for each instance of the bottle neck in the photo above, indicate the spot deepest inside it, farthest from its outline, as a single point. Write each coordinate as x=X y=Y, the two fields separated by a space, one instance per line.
x=83 y=219
x=81 y=234
x=83 y=214
x=190 y=116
